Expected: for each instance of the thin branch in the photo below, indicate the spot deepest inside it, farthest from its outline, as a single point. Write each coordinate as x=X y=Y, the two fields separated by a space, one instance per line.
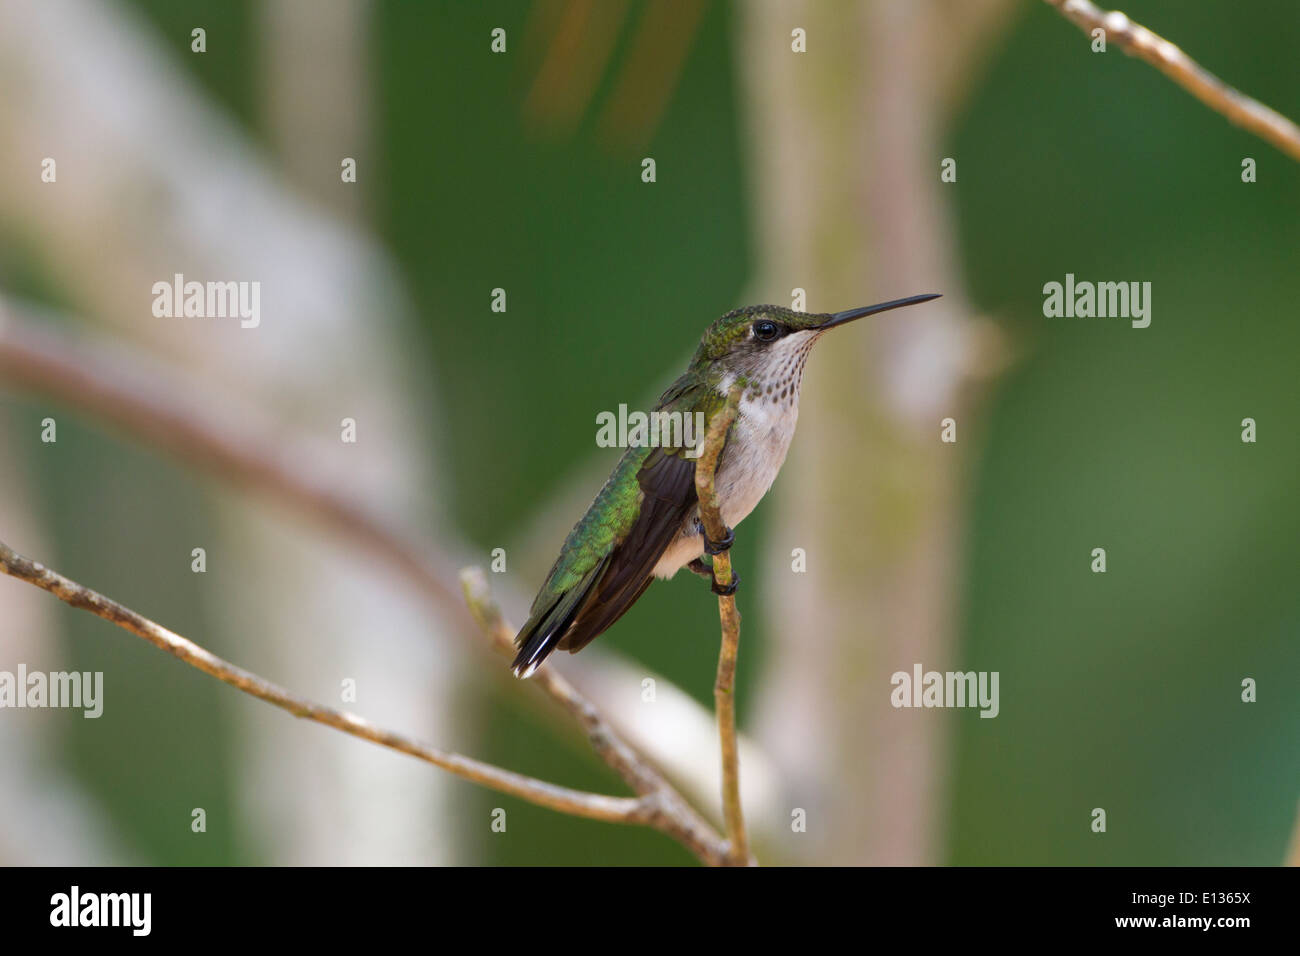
x=1136 y=40
x=593 y=805
x=724 y=696
x=672 y=814
x=151 y=406
x=658 y=806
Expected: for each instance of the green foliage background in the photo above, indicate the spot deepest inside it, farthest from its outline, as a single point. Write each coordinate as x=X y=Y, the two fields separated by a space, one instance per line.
x=1118 y=691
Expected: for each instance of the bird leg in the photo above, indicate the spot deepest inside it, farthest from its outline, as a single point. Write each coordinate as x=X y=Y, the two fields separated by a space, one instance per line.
x=706 y=571
x=730 y=588
x=700 y=568
x=717 y=547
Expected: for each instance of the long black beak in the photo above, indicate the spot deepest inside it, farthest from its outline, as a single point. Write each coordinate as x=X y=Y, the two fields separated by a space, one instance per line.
x=839 y=318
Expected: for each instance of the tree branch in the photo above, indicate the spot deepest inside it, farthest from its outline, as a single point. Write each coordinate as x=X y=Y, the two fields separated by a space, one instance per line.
x=658 y=805
x=673 y=815
x=724 y=697
x=595 y=806
x=151 y=406
x=1136 y=40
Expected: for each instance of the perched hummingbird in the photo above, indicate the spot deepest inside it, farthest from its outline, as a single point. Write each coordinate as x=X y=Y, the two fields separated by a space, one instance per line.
x=645 y=521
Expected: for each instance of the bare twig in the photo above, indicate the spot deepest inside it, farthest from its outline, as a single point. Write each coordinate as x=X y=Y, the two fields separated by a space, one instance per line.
x=673 y=815
x=724 y=696
x=595 y=806
x=148 y=404
x=657 y=807
x=1136 y=40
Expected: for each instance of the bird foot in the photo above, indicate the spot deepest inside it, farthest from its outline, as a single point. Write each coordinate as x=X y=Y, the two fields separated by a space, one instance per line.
x=705 y=571
x=717 y=547
x=724 y=590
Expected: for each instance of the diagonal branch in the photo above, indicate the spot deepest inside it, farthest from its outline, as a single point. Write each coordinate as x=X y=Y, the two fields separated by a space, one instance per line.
x=673 y=815
x=724 y=696
x=653 y=808
x=563 y=799
x=151 y=406
x=1136 y=40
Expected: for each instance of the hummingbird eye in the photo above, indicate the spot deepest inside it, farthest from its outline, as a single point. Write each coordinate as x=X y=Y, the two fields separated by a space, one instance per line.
x=765 y=330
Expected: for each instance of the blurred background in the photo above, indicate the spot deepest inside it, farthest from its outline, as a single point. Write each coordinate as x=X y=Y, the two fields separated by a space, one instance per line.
x=775 y=170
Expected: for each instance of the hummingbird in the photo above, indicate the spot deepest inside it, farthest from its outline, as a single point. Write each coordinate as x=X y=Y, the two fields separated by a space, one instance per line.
x=645 y=522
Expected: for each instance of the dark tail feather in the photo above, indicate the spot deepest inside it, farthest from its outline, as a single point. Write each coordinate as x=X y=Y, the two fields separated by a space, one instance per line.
x=533 y=649
x=544 y=630
x=597 y=618
x=577 y=616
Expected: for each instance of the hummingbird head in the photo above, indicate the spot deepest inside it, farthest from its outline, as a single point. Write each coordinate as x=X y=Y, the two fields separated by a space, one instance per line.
x=766 y=345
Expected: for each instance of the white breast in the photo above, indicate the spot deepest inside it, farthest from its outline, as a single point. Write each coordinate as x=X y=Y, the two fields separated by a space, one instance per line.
x=759 y=442
x=750 y=461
